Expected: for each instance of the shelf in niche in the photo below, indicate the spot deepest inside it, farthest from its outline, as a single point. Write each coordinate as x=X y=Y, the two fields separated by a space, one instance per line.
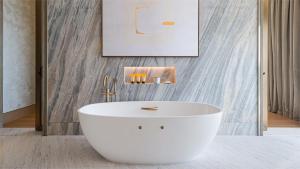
x=167 y=75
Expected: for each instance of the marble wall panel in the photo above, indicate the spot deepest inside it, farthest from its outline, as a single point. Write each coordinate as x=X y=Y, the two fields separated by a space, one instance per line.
x=224 y=74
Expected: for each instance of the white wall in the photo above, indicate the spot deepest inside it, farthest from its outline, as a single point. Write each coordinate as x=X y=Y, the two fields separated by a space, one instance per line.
x=18 y=54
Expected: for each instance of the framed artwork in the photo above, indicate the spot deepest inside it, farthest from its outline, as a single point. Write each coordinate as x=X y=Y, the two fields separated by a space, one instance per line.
x=150 y=28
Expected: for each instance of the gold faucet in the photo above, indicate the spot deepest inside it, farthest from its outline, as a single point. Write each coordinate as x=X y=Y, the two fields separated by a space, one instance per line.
x=108 y=93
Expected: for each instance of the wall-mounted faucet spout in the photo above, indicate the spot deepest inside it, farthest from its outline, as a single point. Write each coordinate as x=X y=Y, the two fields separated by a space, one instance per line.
x=108 y=93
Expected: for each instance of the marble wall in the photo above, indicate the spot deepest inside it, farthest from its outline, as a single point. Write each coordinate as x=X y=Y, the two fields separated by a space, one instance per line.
x=18 y=54
x=224 y=75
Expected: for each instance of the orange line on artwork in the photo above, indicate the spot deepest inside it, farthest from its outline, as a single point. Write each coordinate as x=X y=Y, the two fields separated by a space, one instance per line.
x=168 y=23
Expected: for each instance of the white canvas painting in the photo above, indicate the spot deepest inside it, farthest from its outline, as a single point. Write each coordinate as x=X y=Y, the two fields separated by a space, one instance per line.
x=150 y=28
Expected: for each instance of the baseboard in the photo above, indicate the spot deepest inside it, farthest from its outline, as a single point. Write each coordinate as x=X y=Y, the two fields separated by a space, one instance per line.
x=17 y=114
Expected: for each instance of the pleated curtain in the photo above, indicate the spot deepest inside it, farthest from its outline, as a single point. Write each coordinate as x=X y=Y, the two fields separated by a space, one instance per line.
x=284 y=58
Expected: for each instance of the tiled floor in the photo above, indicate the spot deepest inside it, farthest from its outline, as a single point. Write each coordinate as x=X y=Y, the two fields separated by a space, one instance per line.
x=28 y=150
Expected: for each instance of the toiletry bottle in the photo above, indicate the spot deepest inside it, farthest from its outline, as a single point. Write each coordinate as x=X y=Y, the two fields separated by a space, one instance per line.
x=132 y=78
x=144 y=77
x=138 y=78
x=156 y=79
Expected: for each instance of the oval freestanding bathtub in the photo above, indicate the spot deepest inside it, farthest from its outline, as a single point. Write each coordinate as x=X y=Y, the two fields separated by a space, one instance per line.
x=149 y=132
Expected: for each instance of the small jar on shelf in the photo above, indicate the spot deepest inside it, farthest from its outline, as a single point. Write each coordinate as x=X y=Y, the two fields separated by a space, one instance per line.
x=156 y=79
x=143 y=77
x=138 y=78
x=132 y=78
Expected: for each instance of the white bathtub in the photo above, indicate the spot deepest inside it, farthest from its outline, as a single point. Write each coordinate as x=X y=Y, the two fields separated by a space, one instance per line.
x=123 y=132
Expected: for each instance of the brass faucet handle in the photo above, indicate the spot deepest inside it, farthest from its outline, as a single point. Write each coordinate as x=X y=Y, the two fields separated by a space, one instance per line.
x=105 y=93
x=108 y=94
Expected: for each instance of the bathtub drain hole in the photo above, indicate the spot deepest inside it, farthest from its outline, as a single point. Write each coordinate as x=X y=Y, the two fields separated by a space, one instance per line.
x=162 y=127
x=140 y=127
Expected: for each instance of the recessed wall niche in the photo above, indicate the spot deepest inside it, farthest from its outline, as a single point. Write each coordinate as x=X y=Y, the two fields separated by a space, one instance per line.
x=149 y=75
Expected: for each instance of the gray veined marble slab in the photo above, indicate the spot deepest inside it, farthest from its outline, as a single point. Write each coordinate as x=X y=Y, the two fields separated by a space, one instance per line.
x=226 y=152
x=224 y=75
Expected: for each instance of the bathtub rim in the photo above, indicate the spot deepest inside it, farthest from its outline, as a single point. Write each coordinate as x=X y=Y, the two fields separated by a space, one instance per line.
x=217 y=112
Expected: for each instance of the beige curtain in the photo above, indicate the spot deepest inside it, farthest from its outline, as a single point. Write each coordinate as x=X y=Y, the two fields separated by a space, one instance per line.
x=284 y=58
